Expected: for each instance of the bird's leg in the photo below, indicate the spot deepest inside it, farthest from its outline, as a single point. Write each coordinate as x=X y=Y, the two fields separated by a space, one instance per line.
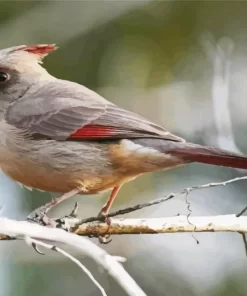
x=61 y=198
x=106 y=208
x=105 y=211
x=40 y=214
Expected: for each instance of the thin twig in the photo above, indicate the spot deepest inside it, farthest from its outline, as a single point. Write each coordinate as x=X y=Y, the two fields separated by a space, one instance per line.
x=161 y=200
x=130 y=209
x=245 y=242
x=31 y=241
x=242 y=212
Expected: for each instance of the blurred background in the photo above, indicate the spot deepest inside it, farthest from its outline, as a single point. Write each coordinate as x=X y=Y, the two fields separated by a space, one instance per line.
x=181 y=64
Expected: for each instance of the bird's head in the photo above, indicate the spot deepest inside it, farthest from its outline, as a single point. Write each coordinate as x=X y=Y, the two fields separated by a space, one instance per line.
x=20 y=68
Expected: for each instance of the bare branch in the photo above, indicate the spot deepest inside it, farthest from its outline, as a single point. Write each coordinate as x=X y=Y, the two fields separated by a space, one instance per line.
x=245 y=242
x=31 y=241
x=23 y=229
x=94 y=226
x=223 y=223
x=163 y=199
x=10 y=229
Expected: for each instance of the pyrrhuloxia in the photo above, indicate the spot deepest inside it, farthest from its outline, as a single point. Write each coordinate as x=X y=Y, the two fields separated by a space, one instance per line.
x=59 y=136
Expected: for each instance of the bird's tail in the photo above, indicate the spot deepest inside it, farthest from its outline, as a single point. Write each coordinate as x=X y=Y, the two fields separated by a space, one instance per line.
x=190 y=152
x=210 y=155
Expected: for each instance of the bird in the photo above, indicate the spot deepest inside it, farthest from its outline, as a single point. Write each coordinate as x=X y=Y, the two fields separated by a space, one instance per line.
x=59 y=136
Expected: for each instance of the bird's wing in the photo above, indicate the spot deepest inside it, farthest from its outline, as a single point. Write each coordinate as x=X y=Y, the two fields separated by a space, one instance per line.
x=65 y=110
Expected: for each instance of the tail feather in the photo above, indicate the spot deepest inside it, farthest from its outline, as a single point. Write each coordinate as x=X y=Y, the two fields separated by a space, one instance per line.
x=209 y=155
x=190 y=152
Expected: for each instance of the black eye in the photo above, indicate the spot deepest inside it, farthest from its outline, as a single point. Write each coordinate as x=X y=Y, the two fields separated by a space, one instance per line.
x=3 y=76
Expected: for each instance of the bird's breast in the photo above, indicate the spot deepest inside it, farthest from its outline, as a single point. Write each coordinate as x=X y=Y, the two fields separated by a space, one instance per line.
x=38 y=177
x=63 y=166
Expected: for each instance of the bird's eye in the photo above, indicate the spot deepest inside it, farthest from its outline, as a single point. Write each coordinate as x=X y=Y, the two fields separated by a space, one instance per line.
x=3 y=77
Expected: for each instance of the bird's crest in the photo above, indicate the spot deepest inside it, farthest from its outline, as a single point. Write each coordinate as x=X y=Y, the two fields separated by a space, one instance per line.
x=41 y=50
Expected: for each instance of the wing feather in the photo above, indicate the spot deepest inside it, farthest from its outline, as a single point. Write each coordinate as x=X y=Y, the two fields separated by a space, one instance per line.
x=65 y=110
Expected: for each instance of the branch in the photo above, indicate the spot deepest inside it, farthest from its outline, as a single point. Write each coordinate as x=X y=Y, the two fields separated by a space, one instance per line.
x=35 y=242
x=94 y=226
x=35 y=234
x=23 y=229
x=223 y=223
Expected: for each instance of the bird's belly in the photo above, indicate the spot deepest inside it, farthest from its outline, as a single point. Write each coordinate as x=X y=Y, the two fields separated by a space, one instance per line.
x=38 y=165
x=56 y=166
x=52 y=180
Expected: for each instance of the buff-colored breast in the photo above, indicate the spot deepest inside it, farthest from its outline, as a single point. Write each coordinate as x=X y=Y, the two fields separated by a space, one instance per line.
x=55 y=166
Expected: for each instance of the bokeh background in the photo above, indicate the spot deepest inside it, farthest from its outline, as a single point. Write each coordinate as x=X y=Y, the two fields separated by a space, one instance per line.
x=181 y=64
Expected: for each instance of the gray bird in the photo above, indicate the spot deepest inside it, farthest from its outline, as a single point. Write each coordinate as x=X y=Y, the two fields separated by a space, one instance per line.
x=59 y=136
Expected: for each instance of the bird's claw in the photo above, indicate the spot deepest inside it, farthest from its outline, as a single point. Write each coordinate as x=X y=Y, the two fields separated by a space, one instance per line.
x=39 y=216
x=104 y=239
x=63 y=222
x=74 y=212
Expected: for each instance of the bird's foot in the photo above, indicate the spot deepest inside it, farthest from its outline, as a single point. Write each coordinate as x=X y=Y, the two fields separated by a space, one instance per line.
x=105 y=238
x=74 y=212
x=67 y=221
x=40 y=216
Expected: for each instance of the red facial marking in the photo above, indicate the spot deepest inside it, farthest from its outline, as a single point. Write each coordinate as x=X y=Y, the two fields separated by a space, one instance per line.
x=39 y=49
x=4 y=69
x=93 y=132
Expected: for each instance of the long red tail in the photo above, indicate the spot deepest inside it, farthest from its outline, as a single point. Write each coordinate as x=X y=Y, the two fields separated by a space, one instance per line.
x=209 y=155
x=190 y=152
